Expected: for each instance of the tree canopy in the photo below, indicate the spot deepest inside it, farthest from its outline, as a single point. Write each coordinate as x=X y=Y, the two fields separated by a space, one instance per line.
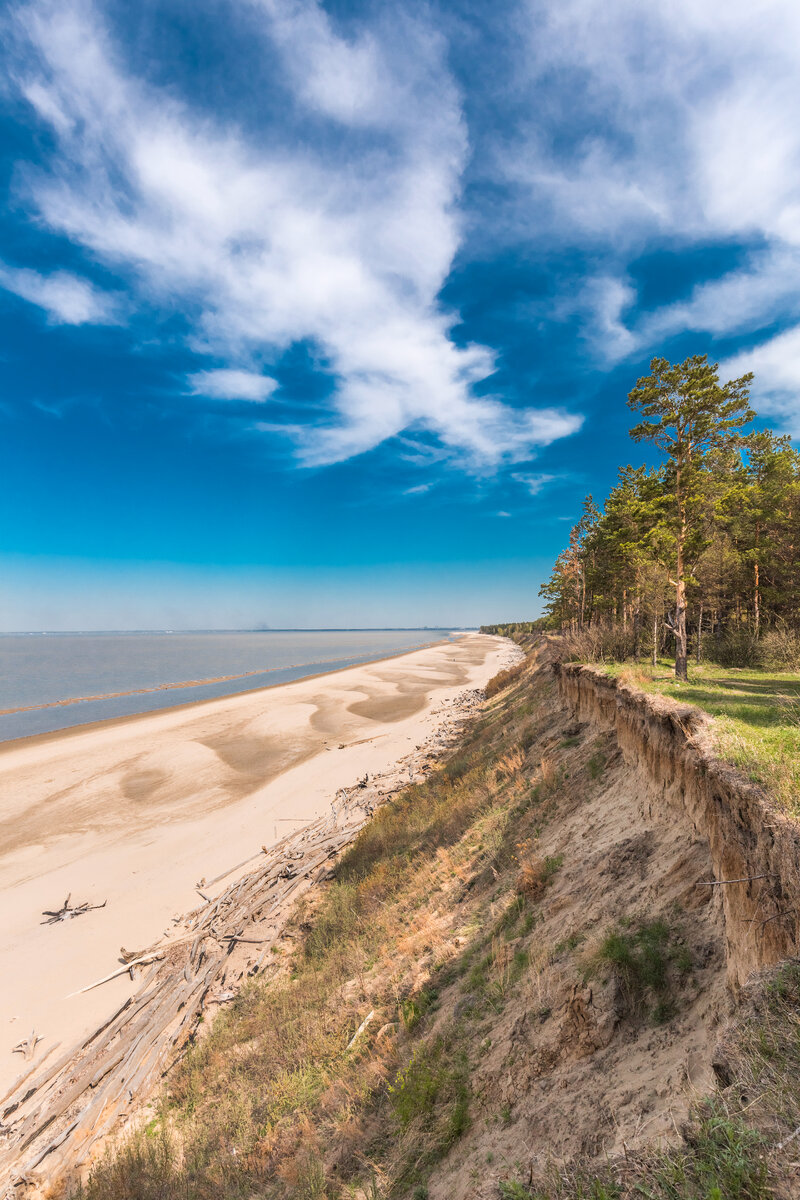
x=702 y=549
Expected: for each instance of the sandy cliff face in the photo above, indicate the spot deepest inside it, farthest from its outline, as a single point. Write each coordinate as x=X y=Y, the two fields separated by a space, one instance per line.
x=669 y=748
x=565 y=1066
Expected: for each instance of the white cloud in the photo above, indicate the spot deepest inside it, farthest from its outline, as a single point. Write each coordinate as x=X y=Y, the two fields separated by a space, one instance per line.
x=756 y=294
x=689 y=113
x=228 y=383
x=676 y=121
x=765 y=289
x=532 y=482
x=67 y=299
x=269 y=246
x=776 y=365
x=606 y=299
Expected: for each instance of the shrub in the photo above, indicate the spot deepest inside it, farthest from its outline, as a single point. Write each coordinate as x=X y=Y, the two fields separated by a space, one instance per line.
x=536 y=874
x=780 y=650
x=777 y=649
x=600 y=643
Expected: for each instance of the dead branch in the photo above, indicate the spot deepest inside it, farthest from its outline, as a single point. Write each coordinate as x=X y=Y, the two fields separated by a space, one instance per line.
x=27 y=1046
x=744 y=879
x=67 y=911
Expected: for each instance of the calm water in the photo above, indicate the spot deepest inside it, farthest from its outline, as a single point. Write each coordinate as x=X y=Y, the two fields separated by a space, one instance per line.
x=39 y=669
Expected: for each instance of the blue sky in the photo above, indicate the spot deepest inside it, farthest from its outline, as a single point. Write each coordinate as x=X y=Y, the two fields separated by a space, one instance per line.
x=325 y=314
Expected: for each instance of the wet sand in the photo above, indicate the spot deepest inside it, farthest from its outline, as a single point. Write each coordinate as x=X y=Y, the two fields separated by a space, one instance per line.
x=136 y=811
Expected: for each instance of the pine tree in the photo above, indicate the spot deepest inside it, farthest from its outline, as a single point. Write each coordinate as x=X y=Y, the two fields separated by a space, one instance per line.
x=694 y=415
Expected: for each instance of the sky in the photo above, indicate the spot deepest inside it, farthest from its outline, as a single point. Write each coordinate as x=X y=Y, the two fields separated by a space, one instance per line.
x=325 y=314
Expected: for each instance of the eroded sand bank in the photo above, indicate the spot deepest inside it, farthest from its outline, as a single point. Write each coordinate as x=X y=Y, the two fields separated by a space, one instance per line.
x=136 y=811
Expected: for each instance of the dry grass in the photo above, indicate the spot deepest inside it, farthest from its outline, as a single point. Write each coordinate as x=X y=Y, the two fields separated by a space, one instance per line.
x=536 y=874
x=273 y=1102
x=504 y=679
x=431 y=922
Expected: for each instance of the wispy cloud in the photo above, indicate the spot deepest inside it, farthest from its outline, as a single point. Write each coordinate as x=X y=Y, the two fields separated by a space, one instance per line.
x=776 y=365
x=66 y=298
x=263 y=246
x=675 y=123
x=533 y=483
x=228 y=383
x=693 y=117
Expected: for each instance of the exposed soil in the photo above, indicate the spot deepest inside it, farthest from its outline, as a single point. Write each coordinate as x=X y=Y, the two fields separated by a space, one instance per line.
x=571 y=1069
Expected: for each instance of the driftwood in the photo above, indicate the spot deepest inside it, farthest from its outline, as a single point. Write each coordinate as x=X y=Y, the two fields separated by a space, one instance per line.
x=360 y=1029
x=67 y=911
x=132 y=962
x=719 y=882
x=27 y=1046
x=60 y=1110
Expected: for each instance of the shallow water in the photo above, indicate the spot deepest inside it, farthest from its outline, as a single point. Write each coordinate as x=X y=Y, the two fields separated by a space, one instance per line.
x=37 y=670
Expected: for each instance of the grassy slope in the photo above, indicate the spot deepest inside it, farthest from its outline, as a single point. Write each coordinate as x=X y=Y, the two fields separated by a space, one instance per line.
x=276 y=1103
x=757 y=715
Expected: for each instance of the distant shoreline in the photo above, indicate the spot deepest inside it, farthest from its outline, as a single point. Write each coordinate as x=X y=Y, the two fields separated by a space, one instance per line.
x=7 y=743
x=265 y=629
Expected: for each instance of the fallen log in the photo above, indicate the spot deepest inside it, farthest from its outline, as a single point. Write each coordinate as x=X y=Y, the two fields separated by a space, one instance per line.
x=135 y=962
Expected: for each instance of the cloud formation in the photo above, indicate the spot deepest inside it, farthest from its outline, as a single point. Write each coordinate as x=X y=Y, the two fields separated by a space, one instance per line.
x=675 y=123
x=776 y=365
x=226 y=383
x=67 y=299
x=263 y=246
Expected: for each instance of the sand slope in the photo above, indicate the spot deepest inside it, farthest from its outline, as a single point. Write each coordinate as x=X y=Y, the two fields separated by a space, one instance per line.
x=135 y=811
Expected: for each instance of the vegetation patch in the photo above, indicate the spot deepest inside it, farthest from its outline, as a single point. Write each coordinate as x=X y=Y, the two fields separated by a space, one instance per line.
x=646 y=958
x=756 y=727
x=274 y=1102
x=504 y=679
x=536 y=874
x=719 y=1158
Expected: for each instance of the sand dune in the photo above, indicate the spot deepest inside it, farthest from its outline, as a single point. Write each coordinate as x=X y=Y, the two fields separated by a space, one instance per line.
x=135 y=811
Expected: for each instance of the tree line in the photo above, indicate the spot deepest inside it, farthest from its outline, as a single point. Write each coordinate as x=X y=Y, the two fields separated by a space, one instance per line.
x=700 y=554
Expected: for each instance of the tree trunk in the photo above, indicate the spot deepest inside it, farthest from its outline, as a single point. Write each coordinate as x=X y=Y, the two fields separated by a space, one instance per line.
x=756 y=600
x=655 y=641
x=700 y=634
x=637 y=626
x=681 y=663
x=681 y=654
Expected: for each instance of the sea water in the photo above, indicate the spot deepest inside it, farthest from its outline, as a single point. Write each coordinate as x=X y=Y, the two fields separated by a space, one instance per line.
x=105 y=675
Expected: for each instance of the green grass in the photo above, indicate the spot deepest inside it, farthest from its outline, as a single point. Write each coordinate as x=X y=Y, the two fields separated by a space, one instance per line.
x=757 y=717
x=648 y=958
x=720 y=1158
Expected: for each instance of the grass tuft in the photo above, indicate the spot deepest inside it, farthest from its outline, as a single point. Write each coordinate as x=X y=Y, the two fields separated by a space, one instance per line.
x=645 y=958
x=536 y=874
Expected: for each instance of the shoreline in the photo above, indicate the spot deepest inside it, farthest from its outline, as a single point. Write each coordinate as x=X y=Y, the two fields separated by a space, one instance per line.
x=347 y=664
x=134 y=811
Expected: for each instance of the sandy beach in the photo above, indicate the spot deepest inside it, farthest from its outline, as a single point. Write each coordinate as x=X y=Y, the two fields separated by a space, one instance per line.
x=136 y=812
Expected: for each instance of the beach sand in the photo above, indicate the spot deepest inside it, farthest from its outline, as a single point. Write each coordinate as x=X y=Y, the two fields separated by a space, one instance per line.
x=136 y=811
